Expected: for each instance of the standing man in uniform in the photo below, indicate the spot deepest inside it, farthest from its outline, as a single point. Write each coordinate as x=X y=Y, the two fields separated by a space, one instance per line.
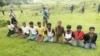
x=13 y=17
x=83 y=8
x=72 y=7
x=45 y=16
x=98 y=8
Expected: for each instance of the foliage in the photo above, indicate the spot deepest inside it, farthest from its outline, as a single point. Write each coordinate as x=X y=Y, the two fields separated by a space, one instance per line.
x=2 y=23
x=2 y=3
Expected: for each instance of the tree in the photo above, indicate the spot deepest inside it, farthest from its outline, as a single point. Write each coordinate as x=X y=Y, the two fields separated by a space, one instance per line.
x=2 y=3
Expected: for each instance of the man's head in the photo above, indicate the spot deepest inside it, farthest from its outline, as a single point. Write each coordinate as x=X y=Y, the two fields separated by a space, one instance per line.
x=39 y=24
x=59 y=23
x=91 y=29
x=79 y=28
x=24 y=24
x=49 y=25
x=68 y=27
x=31 y=24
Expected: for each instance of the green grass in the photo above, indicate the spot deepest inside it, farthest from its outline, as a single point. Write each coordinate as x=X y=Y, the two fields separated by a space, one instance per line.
x=21 y=47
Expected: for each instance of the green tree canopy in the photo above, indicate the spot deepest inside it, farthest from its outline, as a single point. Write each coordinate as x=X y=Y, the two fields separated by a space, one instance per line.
x=2 y=3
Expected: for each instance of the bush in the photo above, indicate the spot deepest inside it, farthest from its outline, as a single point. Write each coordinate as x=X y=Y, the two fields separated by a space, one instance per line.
x=3 y=23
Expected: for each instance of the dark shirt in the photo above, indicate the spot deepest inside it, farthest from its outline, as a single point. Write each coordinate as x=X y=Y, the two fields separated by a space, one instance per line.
x=72 y=7
x=13 y=20
x=59 y=30
x=99 y=8
x=88 y=39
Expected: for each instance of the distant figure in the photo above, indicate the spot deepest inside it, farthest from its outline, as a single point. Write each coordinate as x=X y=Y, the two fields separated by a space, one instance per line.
x=21 y=11
x=45 y=16
x=72 y=7
x=3 y=12
x=83 y=9
x=12 y=16
x=98 y=8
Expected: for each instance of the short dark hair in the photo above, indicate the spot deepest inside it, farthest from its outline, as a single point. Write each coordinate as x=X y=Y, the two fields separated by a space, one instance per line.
x=79 y=27
x=31 y=23
x=68 y=26
x=91 y=27
x=49 y=24
x=38 y=23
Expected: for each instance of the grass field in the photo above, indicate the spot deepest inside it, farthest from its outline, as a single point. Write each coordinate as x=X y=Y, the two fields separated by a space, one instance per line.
x=21 y=47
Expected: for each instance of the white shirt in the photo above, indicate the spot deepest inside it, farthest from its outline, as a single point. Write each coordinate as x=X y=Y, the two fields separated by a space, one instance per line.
x=11 y=27
x=11 y=14
x=25 y=29
x=33 y=30
x=49 y=33
x=68 y=36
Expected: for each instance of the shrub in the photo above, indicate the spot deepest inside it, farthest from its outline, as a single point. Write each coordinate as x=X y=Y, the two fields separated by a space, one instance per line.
x=3 y=23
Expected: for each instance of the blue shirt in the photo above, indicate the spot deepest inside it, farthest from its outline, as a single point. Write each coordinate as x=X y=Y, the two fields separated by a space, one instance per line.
x=45 y=13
